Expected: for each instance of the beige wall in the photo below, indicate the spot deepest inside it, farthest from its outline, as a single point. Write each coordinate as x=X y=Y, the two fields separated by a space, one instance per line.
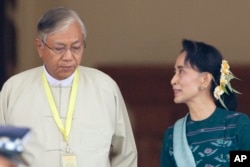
x=142 y=32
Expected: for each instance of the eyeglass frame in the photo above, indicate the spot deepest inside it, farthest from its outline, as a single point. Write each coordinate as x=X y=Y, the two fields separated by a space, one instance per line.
x=83 y=46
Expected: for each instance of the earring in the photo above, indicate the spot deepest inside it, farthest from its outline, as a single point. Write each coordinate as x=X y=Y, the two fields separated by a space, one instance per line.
x=202 y=87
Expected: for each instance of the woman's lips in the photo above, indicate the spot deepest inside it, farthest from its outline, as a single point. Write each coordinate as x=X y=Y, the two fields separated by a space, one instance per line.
x=176 y=92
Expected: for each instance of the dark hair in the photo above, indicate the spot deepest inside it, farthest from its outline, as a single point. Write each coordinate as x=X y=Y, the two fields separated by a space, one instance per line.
x=206 y=58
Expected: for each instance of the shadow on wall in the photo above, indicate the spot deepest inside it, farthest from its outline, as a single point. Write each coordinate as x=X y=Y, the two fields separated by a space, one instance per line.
x=7 y=41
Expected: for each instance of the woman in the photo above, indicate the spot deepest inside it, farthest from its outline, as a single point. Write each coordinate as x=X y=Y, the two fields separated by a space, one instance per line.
x=212 y=128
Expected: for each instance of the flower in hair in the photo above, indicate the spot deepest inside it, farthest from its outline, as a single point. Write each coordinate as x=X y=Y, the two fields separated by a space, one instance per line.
x=225 y=78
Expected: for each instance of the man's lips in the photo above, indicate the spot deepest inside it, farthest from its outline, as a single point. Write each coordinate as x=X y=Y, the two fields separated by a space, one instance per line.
x=66 y=67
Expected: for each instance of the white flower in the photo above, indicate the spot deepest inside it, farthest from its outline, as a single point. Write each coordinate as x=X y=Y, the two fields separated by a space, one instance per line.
x=225 y=78
x=218 y=91
x=225 y=67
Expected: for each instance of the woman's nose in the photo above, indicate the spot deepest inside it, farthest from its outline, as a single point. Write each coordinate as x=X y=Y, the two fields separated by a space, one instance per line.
x=173 y=80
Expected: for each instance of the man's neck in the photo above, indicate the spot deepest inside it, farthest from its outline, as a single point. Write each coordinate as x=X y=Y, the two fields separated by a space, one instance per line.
x=55 y=82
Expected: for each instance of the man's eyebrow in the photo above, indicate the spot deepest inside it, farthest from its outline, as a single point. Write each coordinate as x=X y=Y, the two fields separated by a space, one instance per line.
x=63 y=44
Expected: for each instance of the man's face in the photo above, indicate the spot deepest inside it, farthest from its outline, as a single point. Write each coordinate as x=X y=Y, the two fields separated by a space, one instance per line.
x=62 y=51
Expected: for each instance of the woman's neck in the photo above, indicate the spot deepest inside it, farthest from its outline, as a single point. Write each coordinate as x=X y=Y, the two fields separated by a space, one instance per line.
x=201 y=111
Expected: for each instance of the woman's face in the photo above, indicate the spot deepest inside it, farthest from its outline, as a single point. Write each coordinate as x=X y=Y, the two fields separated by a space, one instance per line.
x=186 y=81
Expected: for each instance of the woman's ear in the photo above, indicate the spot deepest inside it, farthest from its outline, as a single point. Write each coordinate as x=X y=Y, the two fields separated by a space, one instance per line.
x=206 y=79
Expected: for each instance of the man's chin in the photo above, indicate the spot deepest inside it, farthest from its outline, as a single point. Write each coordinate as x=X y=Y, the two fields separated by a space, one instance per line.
x=64 y=75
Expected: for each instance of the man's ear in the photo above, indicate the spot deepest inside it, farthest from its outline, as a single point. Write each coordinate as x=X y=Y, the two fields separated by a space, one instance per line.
x=39 y=46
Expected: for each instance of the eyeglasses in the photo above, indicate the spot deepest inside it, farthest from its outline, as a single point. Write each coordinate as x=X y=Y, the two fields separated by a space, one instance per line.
x=61 y=50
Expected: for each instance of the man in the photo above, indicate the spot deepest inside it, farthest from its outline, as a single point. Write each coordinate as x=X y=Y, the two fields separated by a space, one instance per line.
x=76 y=114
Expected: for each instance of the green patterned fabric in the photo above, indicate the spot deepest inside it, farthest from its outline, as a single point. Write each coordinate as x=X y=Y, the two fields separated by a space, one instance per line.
x=211 y=139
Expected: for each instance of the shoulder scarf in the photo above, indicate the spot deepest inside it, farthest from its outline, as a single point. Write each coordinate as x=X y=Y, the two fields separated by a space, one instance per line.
x=182 y=152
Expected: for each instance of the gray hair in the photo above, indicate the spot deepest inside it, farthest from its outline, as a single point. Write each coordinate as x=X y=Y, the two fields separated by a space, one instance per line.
x=57 y=19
